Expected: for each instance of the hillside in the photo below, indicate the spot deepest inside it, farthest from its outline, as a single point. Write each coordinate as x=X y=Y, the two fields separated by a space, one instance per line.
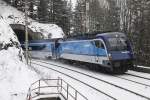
x=13 y=16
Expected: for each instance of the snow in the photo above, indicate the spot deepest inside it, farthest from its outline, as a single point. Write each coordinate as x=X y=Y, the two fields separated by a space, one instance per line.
x=91 y=94
x=15 y=76
x=146 y=75
x=146 y=67
x=13 y=16
x=119 y=94
x=5 y=28
x=136 y=79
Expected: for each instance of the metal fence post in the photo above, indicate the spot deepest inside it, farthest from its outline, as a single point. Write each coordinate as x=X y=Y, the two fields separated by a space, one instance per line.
x=61 y=85
x=39 y=88
x=67 y=91
x=30 y=58
x=26 y=31
x=76 y=95
x=29 y=94
x=58 y=85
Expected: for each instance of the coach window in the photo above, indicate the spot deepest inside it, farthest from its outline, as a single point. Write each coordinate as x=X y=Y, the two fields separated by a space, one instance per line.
x=99 y=44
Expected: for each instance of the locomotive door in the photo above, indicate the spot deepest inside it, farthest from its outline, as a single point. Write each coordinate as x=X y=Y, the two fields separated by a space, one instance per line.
x=53 y=50
x=98 y=45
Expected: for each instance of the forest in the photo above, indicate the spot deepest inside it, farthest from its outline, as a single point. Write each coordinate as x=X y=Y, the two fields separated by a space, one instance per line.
x=129 y=16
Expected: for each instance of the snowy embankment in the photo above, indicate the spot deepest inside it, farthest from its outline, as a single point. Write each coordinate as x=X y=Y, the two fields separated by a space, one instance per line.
x=15 y=76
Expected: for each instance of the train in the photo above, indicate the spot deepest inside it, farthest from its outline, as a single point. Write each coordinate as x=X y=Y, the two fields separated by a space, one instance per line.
x=110 y=50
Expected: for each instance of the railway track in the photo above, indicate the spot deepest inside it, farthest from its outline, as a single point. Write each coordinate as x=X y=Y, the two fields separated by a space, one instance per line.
x=133 y=77
x=134 y=81
x=79 y=81
x=138 y=76
x=102 y=80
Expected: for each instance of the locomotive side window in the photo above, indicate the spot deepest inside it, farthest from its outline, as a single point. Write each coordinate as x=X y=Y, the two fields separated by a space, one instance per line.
x=38 y=47
x=99 y=44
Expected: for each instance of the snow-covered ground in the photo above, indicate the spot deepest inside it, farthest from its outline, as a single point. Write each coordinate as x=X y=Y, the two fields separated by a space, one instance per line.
x=146 y=67
x=13 y=16
x=118 y=93
x=15 y=75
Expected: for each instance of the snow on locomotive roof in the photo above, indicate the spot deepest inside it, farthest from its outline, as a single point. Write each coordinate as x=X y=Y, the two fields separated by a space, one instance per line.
x=111 y=34
x=94 y=35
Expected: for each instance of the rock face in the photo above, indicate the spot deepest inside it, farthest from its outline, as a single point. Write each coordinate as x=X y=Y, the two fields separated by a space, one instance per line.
x=13 y=16
x=8 y=38
x=15 y=77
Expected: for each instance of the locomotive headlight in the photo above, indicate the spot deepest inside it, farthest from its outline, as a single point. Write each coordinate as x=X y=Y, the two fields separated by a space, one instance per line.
x=109 y=56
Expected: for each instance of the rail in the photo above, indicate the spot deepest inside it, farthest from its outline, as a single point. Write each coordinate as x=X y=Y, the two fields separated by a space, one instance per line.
x=61 y=88
x=118 y=86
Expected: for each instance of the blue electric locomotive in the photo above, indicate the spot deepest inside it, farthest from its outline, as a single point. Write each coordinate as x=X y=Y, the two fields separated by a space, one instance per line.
x=111 y=50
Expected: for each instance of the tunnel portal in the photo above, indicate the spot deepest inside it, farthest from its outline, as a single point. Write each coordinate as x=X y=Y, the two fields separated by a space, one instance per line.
x=19 y=30
x=21 y=35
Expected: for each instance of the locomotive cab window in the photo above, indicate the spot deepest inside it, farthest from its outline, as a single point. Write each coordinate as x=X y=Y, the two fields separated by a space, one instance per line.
x=99 y=44
x=118 y=43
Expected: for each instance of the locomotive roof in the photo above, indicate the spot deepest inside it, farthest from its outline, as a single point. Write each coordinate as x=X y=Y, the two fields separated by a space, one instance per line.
x=95 y=35
x=107 y=35
x=111 y=34
x=43 y=40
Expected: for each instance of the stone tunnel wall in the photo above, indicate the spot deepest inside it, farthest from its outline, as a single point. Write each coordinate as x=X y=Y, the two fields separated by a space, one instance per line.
x=19 y=29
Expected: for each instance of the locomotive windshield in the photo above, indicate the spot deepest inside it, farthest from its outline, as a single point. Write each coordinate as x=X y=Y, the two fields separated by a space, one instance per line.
x=99 y=44
x=117 y=44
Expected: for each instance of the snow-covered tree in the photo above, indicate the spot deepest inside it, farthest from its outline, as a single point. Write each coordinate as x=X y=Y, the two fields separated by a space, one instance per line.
x=60 y=14
x=43 y=15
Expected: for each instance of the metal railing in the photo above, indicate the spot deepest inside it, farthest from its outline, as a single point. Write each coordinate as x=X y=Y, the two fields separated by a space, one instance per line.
x=61 y=88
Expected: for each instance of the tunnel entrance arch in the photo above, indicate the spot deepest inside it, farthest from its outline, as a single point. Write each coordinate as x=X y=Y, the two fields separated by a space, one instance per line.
x=19 y=30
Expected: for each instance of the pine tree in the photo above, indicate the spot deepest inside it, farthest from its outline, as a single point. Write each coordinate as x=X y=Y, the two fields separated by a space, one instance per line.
x=31 y=10
x=112 y=16
x=78 y=18
x=60 y=14
x=136 y=25
x=43 y=15
x=96 y=14
x=8 y=1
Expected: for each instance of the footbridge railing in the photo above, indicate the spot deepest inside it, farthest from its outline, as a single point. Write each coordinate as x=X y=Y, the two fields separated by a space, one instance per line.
x=47 y=88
